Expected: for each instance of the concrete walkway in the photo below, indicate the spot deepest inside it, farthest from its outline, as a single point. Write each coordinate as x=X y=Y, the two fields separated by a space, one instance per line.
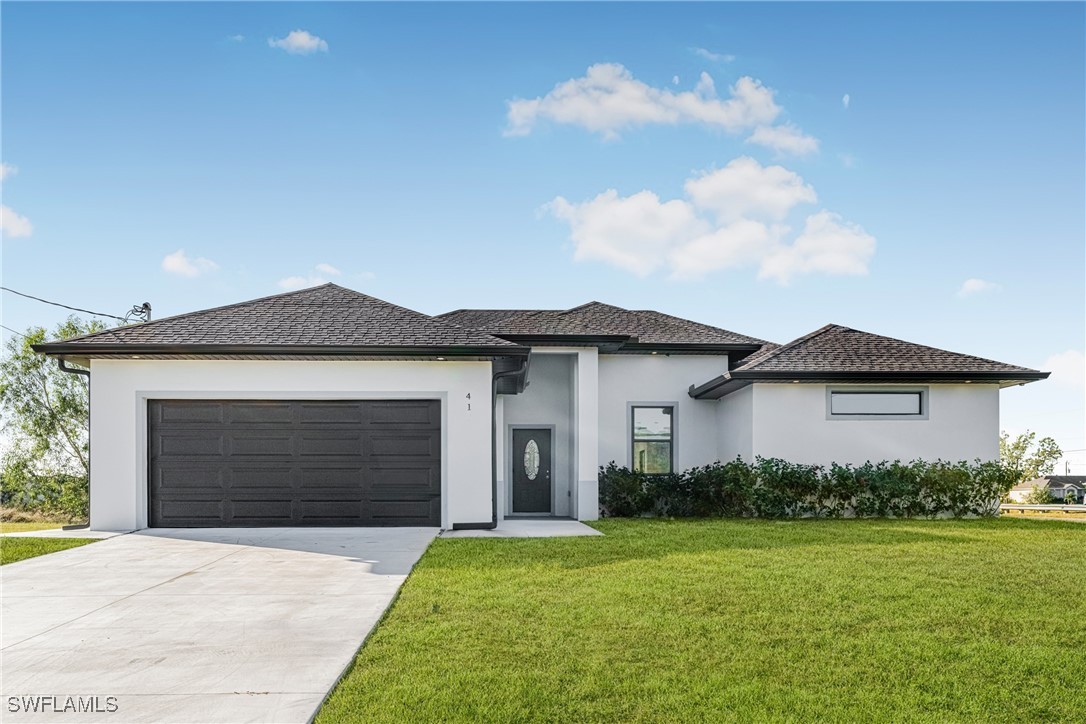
x=528 y=528
x=211 y=625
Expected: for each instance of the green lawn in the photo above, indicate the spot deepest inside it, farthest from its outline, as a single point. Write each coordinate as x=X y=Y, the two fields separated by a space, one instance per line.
x=17 y=549
x=736 y=620
x=6 y=527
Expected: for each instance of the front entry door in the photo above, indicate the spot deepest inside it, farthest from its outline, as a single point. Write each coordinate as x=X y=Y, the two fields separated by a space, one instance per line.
x=532 y=470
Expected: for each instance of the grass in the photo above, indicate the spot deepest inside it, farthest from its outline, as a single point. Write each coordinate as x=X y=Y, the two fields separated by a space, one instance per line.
x=18 y=549
x=736 y=620
x=26 y=527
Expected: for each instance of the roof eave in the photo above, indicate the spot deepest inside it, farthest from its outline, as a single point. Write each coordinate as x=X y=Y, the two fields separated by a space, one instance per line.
x=688 y=348
x=995 y=376
x=716 y=388
x=89 y=351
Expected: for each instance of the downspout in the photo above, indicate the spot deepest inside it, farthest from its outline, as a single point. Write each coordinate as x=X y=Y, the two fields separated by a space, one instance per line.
x=523 y=369
x=85 y=373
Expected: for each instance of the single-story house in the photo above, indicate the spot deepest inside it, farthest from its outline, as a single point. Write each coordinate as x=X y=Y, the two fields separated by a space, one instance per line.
x=1064 y=488
x=330 y=407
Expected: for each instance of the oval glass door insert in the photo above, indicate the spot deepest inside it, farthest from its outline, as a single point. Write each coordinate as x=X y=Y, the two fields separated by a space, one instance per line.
x=531 y=460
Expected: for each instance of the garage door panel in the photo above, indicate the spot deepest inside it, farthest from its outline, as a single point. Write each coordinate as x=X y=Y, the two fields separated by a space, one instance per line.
x=282 y=462
x=259 y=412
x=405 y=445
x=262 y=445
x=197 y=413
x=267 y=509
x=405 y=413
x=189 y=478
x=348 y=443
x=266 y=477
x=328 y=412
x=190 y=445
x=203 y=510
x=349 y=478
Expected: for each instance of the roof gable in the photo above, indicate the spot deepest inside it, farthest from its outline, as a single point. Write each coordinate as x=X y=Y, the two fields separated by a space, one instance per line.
x=318 y=317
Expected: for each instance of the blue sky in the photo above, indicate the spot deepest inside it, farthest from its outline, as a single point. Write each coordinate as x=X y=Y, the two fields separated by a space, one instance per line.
x=378 y=150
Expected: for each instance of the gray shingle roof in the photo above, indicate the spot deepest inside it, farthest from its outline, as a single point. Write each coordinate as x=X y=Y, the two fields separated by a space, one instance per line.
x=596 y=318
x=324 y=316
x=837 y=353
x=835 y=348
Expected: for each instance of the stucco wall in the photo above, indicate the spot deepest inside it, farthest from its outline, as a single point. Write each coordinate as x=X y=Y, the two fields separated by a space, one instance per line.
x=735 y=421
x=120 y=390
x=625 y=379
x=790 y=422
x=548 y=400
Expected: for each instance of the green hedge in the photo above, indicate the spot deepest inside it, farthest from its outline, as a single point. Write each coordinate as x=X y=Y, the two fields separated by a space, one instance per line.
x=773 y=488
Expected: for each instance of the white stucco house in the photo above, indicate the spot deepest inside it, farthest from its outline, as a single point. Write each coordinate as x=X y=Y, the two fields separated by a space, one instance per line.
x=1068 y=489
x=330 y=407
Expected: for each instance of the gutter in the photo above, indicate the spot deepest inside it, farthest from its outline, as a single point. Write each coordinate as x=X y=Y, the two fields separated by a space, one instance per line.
x=522 y=370
x=84 y=373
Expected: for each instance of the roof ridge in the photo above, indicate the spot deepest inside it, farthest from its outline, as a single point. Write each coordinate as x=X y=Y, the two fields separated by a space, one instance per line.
x=420 y=316
x=594 y=302
x=221 y=307
x=683 y=320
x=789 y=345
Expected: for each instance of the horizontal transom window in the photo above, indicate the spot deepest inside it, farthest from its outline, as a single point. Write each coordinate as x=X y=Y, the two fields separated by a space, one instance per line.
x=896 y=404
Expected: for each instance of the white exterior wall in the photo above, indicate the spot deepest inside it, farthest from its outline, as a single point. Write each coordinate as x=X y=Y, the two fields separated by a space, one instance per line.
x=586 y=401
x=120 y=390
x=735 y=421
x=625 y=379
x=790 y=422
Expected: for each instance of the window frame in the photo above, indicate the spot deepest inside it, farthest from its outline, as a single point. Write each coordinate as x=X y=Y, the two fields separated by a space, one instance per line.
x=920 y=392
x=632 y=408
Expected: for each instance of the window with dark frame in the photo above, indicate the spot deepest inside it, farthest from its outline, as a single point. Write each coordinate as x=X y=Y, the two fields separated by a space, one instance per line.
x=653 y=439
x=877 y=403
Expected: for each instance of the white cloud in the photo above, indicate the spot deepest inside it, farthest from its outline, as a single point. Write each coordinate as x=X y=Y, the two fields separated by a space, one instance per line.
x=13 y=225
x=301 y=282
x=731 y=218
x=182 y=265
x=846 y=100
x=675 y=80
x=633 y=233
x=319 y=275
x=828 y=244
x=711 y=56
x=746 y=188
x=299 y=42
x=608 y=99
x=239 y=38
x=785 y=138
x=977 y=286
x=1067 y=368
x=6 y=169
x=847 y=160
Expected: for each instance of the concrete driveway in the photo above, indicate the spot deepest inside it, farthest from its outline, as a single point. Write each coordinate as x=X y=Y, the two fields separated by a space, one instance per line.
x=211 y=625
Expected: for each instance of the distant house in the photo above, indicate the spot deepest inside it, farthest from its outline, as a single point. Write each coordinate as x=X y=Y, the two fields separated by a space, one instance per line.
x=1064 y=488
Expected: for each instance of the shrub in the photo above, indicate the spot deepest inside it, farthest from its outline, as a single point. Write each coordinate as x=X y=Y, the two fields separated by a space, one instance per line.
x=1040 y=496
x=54 y=495
x=774 y=488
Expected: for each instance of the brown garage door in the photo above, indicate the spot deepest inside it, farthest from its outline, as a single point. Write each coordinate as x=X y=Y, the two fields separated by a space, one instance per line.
x=294 y=462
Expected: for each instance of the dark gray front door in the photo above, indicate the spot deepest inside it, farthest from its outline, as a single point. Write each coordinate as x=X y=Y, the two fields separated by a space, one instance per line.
x=293 y=462
x=531 y=470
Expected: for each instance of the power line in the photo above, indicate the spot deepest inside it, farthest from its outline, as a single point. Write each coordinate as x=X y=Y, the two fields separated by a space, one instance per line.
x=65 y=306
x=4 y=326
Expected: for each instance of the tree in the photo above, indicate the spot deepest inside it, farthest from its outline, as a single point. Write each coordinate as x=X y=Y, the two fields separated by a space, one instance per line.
x=45 y=412
x=1031 y=457
x=1039 y=496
